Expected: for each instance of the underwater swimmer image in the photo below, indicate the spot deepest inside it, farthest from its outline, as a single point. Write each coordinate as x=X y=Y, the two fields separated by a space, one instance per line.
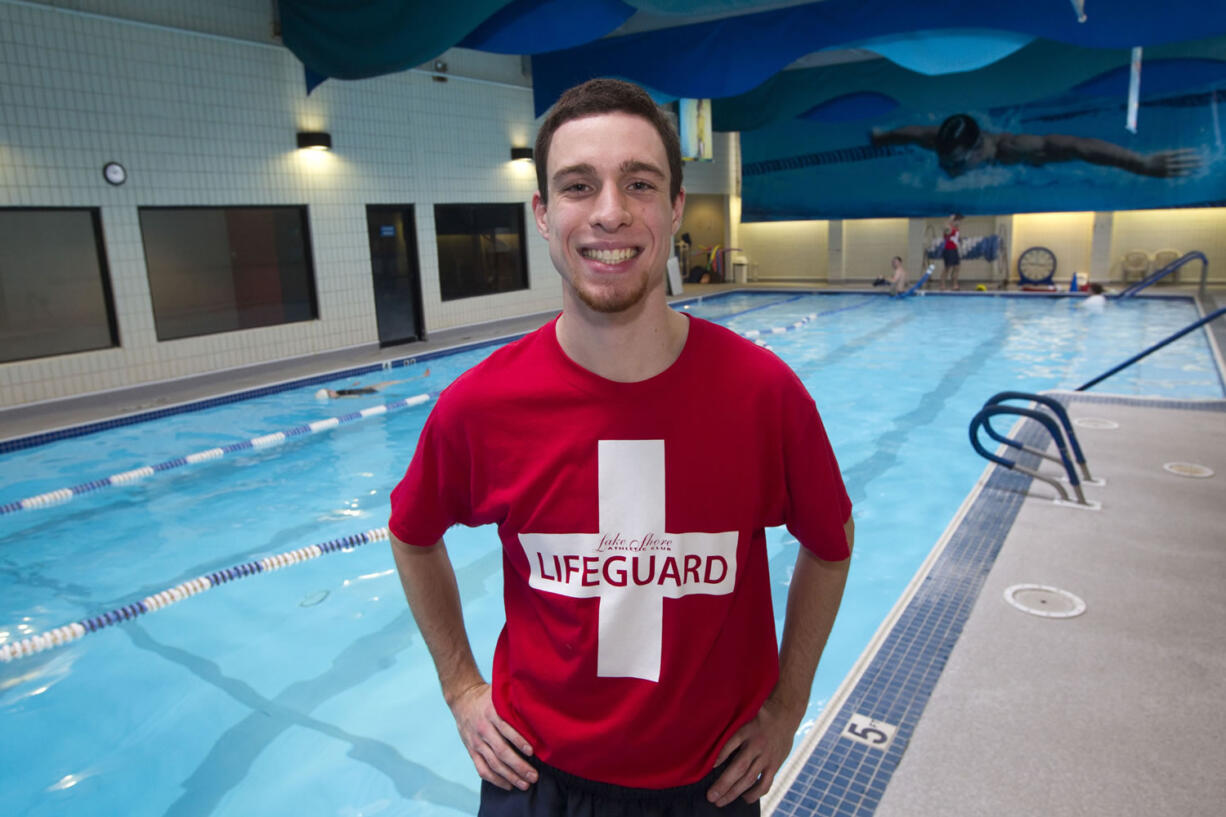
x=961 y=145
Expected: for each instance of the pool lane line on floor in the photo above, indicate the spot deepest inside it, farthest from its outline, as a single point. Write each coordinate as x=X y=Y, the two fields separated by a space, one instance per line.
x=68 y=633
x=262 y=441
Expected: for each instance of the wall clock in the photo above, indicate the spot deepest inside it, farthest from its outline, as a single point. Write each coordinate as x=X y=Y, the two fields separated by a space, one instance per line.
x=114 y=173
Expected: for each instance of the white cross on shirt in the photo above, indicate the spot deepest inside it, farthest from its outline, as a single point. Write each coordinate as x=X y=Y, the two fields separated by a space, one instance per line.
x=631 y=564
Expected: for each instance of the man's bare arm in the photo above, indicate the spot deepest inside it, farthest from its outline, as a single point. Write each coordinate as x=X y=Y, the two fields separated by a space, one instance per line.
x=430 y=586
x=759 y=748
x=1013 y=148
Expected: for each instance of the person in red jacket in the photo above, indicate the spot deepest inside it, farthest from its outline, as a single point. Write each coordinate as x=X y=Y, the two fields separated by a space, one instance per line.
x=638 y=667
x=951 y=257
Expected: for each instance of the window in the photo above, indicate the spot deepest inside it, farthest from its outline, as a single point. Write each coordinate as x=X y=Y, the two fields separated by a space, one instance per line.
x=480 y=249
x=218 y=269
x=55 y=293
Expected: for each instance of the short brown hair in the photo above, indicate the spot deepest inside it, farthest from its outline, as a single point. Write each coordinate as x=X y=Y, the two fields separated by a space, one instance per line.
x=600 y=96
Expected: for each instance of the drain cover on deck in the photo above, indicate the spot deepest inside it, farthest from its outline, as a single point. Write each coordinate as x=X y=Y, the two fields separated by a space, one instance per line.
x=1189 y=469
x=1095 y=422
x=1041 y=600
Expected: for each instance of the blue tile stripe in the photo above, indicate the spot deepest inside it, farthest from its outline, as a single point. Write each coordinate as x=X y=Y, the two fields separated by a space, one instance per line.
x=71 y=632
x=844 y=777
x=62 y=495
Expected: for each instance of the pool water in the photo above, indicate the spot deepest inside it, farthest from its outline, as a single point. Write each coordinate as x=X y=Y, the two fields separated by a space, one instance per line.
x=308 y=690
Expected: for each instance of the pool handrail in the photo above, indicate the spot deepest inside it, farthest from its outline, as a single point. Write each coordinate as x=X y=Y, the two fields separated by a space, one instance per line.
x=1131 y=290
x=1056 y=408
x=920 y=283
x=980 y=420
x=1176 y=336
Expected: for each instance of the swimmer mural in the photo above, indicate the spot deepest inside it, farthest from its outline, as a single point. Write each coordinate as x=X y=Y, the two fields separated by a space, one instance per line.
x=957 y=147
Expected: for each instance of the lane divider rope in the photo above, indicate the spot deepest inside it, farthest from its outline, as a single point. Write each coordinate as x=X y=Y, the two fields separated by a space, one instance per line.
x=62 y=495
x=756 y=334
x=263 y=441
x=60 y=636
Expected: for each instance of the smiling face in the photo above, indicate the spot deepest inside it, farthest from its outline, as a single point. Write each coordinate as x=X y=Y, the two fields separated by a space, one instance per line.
x=609 y=221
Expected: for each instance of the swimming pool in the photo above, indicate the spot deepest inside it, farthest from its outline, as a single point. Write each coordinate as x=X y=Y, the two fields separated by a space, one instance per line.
x=308 y=689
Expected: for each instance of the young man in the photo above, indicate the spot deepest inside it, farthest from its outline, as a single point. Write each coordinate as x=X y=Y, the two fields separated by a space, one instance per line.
x=631 y=457
x=898 y=279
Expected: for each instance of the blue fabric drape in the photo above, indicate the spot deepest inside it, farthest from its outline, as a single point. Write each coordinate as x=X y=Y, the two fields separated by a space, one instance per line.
x=535 y=26
x=1050 y=69
x=945 y=51
x=353 y=40
x=731 y=56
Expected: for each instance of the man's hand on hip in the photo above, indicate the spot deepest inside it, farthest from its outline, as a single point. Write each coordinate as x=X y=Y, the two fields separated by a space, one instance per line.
x=496 y=748
x=757 y=750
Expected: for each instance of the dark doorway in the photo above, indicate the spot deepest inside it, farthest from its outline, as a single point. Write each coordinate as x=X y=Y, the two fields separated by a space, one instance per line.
x=393 y=268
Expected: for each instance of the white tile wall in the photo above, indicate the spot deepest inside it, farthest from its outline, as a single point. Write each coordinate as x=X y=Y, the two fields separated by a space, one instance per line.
x=869 y=244
x=245 y=19
x=1202 y=229
x=208 y=119
x=786 y=250
x=1070 y=236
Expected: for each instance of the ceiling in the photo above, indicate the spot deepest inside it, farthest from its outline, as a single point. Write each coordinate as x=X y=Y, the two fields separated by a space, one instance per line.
x=764 y=61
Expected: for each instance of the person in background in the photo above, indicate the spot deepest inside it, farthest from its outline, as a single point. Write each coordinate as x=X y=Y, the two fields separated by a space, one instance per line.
x=950 y=255
x=358 y=390
x=898 y=277
x=898 y=281
x=1096 y=301
x=638 y=670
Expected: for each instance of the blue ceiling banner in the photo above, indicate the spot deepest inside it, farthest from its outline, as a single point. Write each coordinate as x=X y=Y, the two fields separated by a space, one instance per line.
x=694 y=7
x=346 y=40
x=535 y=26
x=946 y=51
x=1049 y=68
x=731 y=56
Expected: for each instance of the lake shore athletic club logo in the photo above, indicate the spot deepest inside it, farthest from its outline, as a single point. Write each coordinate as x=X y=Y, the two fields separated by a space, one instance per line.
x=631 y=564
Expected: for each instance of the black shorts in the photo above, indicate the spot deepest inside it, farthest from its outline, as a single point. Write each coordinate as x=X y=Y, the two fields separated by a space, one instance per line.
x=558 y=794
x=950 y=256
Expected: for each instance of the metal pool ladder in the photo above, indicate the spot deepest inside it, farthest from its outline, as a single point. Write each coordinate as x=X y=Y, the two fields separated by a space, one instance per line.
x=1060 y=429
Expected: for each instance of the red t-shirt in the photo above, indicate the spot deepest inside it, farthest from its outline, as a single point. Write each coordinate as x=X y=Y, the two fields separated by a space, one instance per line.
x=640 y=629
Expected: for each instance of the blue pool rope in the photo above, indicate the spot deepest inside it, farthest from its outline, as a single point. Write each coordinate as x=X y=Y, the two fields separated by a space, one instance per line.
x=756 y=334
x=71 y=632
x=136 y=474
x=263 y=441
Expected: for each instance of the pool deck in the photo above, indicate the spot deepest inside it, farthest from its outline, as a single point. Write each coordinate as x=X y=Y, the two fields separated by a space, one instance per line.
x=1118 y=710
x=987 y=709
x=972 y=706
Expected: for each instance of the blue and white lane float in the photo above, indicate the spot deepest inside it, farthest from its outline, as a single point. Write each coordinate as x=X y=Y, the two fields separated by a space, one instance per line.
x=78 y=629
x=756 y=334
x=919 y=285
x=263 y=441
